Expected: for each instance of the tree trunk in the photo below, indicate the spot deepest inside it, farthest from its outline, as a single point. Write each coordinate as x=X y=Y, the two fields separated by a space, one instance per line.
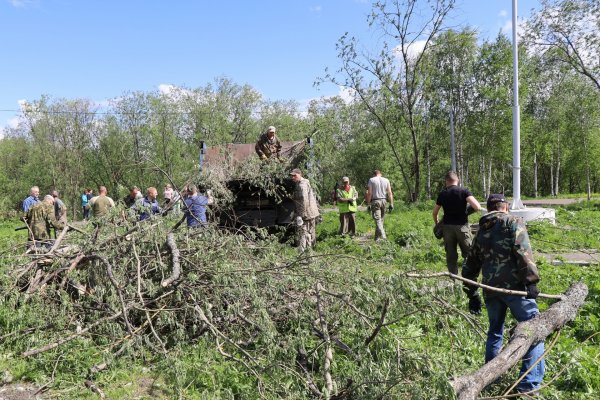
x=483 y=175
x=428 y=160
x=552 y=193
x=468 y=387
x=489 y=188
x=535 y=175
x=557 y=175
x=587 y=171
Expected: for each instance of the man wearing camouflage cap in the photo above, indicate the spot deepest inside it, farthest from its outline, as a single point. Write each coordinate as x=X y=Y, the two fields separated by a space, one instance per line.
x=268 y=144
x=502 y=253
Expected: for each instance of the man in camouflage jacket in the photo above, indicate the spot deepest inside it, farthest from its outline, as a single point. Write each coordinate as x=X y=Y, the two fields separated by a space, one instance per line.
x=268 y=144
x=306 y=210
x=41 y=219
x=502 y=253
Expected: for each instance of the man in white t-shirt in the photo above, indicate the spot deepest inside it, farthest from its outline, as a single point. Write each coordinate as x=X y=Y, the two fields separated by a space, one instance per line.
x=378 y=191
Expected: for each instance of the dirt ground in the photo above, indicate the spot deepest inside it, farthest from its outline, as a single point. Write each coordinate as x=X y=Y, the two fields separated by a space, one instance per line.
x=20 y=391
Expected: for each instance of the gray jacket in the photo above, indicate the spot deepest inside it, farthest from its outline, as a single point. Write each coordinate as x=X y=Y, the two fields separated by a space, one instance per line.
x=305 y=200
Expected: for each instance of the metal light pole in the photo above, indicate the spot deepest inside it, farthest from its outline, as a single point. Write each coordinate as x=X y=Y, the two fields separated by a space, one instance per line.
x=452 y=141
x=516 y=203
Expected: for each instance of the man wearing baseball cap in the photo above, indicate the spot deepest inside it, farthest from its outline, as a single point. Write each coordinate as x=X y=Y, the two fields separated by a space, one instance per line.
x=306 y=210
x=502 y=253
x=346 y=202
x=268 y=144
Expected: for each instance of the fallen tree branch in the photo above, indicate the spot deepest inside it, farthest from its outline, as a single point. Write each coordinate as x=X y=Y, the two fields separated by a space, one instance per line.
x=481 y=285
x=527 y=333
x=326 y=339
x=92 y=386
x=175 y=259
x=51 y=346
x=58 y=240
x=113 y=280
x=384 y=311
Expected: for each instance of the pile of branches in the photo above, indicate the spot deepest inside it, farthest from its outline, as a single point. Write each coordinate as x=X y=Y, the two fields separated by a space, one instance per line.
x=304 y=324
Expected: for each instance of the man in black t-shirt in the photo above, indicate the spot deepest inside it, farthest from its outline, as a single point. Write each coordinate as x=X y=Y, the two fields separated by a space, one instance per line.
x=454 y=199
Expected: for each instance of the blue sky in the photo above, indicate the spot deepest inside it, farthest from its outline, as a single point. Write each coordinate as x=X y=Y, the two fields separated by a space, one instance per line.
x=103 y=48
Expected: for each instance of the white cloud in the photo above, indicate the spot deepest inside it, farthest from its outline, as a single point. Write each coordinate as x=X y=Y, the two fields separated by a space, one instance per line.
x=12 y=123
x=503 y=14
x=166 y=89
x=507 y=28
x=413 y=49
x=21 y=3
x=347 y=94
x=315 y=9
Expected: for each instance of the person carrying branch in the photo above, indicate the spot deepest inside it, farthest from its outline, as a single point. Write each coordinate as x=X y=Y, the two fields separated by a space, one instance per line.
x=502 y=253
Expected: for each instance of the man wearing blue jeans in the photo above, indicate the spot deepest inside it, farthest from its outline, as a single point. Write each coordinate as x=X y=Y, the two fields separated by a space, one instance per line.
x=502 y=253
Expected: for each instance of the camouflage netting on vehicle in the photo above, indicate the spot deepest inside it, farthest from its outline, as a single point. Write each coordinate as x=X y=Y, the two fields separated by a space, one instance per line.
x=239 y=162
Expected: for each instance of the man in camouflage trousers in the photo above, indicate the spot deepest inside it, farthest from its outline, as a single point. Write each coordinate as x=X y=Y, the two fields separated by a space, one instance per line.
x=306 y=210
x=502 y=253
x=268 y=145
x=41 y=219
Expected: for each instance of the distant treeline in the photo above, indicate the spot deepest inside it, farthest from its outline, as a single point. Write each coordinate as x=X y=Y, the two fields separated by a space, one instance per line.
x=397 y=121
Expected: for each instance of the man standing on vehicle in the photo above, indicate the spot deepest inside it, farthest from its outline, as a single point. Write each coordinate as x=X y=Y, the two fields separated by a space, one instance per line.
x=306 y=211
x=502 y=253
x=379 y=189
x=454 y=199
x=346 y=202
x=268 y=144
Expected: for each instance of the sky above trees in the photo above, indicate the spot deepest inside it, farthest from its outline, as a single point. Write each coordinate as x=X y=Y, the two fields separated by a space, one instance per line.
x=100 y=50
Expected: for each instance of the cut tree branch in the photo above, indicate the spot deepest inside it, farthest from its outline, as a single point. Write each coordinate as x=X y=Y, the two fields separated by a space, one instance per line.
x=175 y=259
x=481 y=285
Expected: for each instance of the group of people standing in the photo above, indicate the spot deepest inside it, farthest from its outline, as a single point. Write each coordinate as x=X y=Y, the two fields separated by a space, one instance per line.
x=51 y=212
x=502 y=254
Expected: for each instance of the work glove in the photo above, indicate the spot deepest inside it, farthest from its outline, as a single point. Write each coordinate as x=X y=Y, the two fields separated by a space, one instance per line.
x=263 y=157
x=390 y=207
x=475 y=305
x=532 y=291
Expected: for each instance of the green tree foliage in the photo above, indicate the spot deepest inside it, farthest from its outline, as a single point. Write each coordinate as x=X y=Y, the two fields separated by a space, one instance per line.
x=568 y=32
x=393 y=116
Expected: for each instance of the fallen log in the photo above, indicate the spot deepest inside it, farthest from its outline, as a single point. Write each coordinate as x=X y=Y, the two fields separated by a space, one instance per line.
x=467 y=387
